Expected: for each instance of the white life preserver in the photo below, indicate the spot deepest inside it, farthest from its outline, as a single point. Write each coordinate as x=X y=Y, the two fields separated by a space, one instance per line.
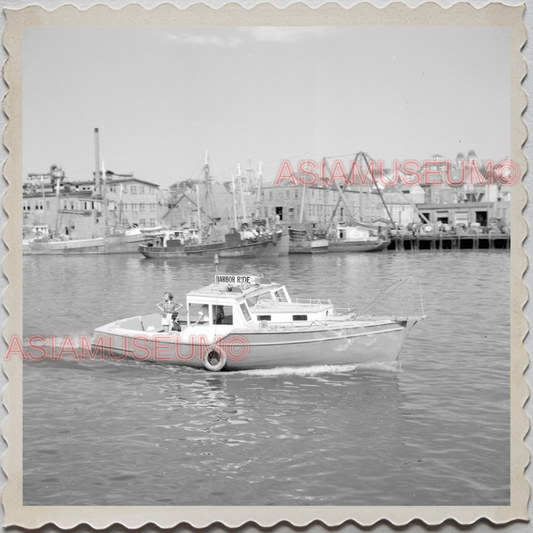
x=215 y=355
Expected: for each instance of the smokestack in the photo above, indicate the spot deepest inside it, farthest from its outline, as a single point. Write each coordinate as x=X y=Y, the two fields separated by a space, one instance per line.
x=97 y=165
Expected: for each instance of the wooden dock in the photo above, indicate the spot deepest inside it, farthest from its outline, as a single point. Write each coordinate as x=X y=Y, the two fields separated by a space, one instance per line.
x=450 y=242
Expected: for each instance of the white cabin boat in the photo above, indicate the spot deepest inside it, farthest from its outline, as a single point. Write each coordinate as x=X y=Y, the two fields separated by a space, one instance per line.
x=243 y=322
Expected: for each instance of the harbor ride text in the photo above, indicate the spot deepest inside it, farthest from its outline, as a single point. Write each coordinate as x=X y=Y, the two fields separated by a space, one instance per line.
x=232 y=278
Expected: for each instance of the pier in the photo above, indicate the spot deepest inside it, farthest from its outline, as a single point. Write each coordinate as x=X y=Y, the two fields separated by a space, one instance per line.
x=450 y=242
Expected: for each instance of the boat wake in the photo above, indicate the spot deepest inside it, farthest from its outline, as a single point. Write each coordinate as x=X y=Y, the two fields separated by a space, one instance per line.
x=394 y=367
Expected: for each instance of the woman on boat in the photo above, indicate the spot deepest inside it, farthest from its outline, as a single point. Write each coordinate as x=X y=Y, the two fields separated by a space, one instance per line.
x=168 y=306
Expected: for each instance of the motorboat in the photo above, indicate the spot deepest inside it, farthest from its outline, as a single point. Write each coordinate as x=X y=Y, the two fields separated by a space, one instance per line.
x=242 y=322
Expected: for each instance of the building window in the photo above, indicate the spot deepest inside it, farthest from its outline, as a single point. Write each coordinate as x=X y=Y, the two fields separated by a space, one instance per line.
x=39 y=204
x=25 y=206
x=141 y=207
x=152 y=222
x=152 y=207
x=152 y=190
x=142 y=222
x=134 y=207
x=141 y=189
x=125 y=207
x=133 y=189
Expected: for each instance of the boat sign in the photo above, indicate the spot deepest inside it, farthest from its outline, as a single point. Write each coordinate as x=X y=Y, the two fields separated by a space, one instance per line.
x=238 y=279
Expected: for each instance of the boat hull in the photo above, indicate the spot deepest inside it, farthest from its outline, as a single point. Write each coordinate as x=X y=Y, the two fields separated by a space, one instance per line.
x=161 y=252
x=115 y=244
x=358 y=246
x=353 y=343
x=317 y=246
x=231 y=248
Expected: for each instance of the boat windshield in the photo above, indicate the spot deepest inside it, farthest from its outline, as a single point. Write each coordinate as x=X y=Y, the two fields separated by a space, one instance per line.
x=264 y=297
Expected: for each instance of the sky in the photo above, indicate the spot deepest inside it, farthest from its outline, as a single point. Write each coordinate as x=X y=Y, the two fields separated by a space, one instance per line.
x=161 y=97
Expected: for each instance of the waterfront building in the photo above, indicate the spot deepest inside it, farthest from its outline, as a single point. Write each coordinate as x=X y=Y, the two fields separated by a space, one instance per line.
x=76 y=209
x=285 y=202
x=462 y=198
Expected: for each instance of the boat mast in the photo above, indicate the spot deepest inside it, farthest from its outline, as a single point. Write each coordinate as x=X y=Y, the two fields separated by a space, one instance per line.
x=104 y=198
x=57 y=203
x=258 y=203
x=120 y=205
x=199 y=215
x=379 y=192
x=234 y=200
x=341 y=197
x=97 y=163
x=302 y=207
x=242 y=194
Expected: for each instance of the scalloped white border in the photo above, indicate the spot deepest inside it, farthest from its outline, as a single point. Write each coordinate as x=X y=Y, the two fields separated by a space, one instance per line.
x=233 y=14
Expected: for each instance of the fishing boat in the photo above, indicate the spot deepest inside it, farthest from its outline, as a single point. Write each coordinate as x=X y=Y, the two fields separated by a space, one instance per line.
x=358 y=237
x=244 y=240
x=304 y=241
x=236 y=244
x=244 y=322
x=168 y=243
x=120 y=241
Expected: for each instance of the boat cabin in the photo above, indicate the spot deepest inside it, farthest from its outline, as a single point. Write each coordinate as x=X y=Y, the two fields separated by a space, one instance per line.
x=355 y=233
x=248 y=301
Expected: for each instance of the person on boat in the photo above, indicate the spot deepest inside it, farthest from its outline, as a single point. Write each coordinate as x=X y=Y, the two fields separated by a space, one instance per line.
x=175 y=326
x=167 y=307
x=219 y=317
x=203 y=315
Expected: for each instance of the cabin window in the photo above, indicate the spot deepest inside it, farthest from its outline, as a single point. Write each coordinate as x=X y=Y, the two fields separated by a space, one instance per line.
x=264 y=317
x=223 y=314
x=280 y=296
x=199 y=313
x=245 y=312
x=299 y=317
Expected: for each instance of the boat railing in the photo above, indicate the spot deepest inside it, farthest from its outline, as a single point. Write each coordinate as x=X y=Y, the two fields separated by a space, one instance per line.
x=310 y=301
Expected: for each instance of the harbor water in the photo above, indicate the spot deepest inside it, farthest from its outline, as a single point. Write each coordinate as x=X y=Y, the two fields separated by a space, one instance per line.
x=431 y=430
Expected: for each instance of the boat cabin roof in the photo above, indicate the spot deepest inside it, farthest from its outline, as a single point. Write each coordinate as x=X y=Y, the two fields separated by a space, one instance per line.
x=231 y=291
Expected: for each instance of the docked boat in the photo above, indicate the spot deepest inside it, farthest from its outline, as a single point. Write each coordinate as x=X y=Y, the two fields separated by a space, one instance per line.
x=126 y=241
x=303 y=241
x=357 y=238
x=168 y=244
x=243 y=322
x=245 y=243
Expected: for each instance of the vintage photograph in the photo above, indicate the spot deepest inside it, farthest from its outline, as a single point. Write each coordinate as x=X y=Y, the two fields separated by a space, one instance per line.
x=266 y=265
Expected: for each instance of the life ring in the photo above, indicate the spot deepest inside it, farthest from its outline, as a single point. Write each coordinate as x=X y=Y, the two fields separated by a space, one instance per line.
x=211 y=357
